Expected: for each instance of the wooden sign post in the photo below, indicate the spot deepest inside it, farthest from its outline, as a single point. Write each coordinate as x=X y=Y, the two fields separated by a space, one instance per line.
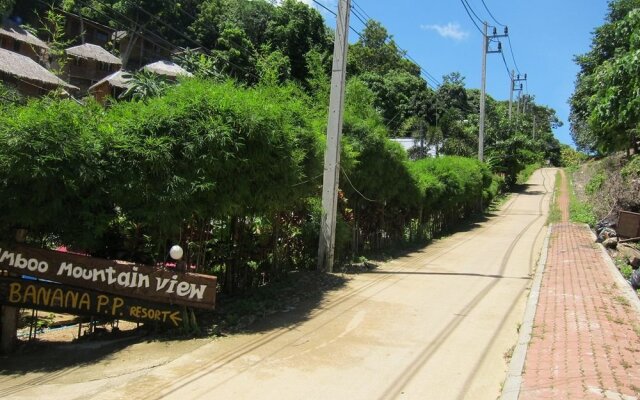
x=61 y=298
x=116 y=277
x=83 y=285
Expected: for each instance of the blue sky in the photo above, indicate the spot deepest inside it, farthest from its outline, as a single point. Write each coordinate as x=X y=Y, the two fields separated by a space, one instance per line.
x=545 y=35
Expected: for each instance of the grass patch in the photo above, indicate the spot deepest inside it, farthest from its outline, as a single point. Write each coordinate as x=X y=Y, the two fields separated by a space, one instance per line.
x=525 y=174
x=624 y=268
x=499 y=201
x=579 y=212
x=622 y=300
x=555 y=215
x=509 y=353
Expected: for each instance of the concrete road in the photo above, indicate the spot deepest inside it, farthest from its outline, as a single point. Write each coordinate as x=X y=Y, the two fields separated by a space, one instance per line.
x=435 y=324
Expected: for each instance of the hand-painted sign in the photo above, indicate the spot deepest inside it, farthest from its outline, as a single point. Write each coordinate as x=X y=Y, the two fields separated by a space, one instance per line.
x=60 y=298
x=116 y=277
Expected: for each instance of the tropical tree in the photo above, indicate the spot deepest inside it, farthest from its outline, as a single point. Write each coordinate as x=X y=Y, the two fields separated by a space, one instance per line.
x=144 y=85
x=605 y=104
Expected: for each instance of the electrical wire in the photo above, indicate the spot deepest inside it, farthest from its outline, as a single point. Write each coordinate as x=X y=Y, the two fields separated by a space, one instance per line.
x=464 y=4
x=473 y=11
x=504 y=60
x=335 y=15
x=197 y=43
x=354 y=188
x=513 y=57
x=151 y=33
x=308 y=180
x=359 y=16
x=490 y=14
x=361 y=9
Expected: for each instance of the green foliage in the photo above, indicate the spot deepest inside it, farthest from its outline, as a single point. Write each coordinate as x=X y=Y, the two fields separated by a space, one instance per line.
x=199 y=64
x=555 y=215
x=525 y=174
x=595 y=184
x=274 y=68
x=604 y=106
x=6 y=6
x=632 y=169
x=570 y=157
x=580 y=212
x=9 y=96
x=189 y=147
x=144 y=85
x=232 y=169
x=52 y=175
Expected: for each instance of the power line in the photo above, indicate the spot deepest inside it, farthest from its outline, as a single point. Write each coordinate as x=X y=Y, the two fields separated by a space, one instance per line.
x=118 y=22
x=473 y=11
x=464 y=4
x=490 y=14
x=335 y=15
x=505 y=65
x=512 y=56
x=197 y=43
x=354 y=188
x=361 y=9
x=359 y=16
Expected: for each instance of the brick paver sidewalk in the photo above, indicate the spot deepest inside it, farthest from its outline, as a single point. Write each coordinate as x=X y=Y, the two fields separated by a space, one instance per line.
x=585 y=342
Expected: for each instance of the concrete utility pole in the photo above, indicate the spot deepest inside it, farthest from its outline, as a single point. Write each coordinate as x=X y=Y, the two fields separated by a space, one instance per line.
x=511 y=93
x=483 y=90
x=326 y=245
x=483 y=86
x=515 y=88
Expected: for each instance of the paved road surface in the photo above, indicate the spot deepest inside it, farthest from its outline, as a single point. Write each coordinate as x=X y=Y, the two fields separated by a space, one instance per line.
x=435 y=324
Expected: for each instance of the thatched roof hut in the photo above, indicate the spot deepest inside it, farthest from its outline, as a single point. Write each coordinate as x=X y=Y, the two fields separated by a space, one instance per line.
x=113 y=85
x=90 y=51
x=11 y=29
x=21 y=69
x=167 y=68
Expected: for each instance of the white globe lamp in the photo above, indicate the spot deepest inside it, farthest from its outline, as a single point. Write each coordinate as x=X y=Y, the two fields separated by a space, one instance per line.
x=176 y=252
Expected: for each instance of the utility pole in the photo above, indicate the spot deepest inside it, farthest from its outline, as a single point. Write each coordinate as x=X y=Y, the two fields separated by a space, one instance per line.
x=483 y=86
x=326 y=245
x=483 y=90
x=515 y=88
x=511 y=93
x=534 y=127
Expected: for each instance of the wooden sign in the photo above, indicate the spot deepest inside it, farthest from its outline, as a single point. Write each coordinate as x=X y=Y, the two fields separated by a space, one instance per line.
x=116 y=277
x=60 y=298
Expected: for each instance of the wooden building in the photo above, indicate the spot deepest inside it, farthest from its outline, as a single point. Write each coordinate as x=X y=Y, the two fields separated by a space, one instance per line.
x=167 y=69
x=18 y=40
x=88 y=64
x=111 y=86
x=82 y=30
x=28 y=77
x=141 y=50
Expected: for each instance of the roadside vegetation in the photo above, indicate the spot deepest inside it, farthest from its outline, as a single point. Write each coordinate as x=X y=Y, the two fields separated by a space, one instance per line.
x=555 y=215
x=228 y=164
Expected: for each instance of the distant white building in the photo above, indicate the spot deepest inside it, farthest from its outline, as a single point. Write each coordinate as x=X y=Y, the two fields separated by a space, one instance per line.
x=410 y=143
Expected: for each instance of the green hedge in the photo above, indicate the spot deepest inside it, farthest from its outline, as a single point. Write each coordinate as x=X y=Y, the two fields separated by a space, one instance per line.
x=231 y=173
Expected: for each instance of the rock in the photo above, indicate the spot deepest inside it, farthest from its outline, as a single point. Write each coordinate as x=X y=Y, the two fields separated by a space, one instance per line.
x=631 y=254
x=610 y=243
x=635 y=279
x=606 y=233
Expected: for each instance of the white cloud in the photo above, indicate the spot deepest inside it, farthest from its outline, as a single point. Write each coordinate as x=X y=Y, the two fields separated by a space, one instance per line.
x=450 y=31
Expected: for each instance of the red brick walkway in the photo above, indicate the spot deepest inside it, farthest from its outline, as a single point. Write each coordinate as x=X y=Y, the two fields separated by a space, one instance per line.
x=586 y=336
